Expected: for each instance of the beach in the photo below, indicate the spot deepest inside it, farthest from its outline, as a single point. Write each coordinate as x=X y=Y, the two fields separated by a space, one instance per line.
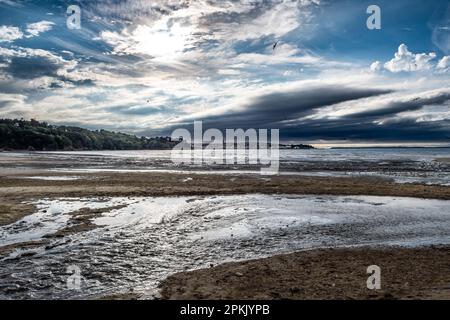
x=409 y=274
x=139 y=228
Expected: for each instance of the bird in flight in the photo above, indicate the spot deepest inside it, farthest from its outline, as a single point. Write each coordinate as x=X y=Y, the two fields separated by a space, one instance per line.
x=275 y=45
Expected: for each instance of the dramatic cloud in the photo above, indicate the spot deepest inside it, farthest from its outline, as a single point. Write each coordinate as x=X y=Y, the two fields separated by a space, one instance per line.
x=389 y=116
x=271 y=110
x=397 y=106
x=182 y=29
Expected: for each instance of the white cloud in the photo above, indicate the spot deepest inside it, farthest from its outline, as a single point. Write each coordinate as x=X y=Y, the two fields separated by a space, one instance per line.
x=34 y=29
x=405 y=60
x=29 y=52
x=444 y=64
x=10 y=33
x=376 y=66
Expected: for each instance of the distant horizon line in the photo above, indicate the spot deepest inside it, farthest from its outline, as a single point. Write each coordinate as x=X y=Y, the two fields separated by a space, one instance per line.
x=380 y=145
x=318 y=144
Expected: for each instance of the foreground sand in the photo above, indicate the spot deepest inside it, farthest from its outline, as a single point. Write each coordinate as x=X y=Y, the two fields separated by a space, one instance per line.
x=321 y=274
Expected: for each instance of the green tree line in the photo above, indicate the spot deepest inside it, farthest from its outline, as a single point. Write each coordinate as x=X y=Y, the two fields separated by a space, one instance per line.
x=40 y=136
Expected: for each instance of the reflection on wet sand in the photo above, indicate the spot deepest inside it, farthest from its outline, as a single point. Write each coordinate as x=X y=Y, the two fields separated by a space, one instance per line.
x=134 y=243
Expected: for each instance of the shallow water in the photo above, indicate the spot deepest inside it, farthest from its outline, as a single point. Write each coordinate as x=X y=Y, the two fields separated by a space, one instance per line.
x=403 y=165
x=318 y=155
x=52 y=178
x=140 y=244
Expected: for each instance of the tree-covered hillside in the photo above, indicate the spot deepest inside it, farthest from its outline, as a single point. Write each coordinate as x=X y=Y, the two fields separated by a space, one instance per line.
x=35 y=135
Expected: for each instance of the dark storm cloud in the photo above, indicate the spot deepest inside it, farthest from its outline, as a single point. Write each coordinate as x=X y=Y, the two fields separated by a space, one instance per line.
x=384 y=124
x=31 y=67
x=271 y=109
x=285 y=111
x=390 y=125
x=402 y=106
x=406 y=129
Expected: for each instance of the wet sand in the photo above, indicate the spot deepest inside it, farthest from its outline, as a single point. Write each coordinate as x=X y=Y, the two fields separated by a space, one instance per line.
x=421 y=273
x=443 y=160
x=16 y=190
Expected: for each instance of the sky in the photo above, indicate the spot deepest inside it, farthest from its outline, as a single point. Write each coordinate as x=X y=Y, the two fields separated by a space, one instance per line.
x=150 y=67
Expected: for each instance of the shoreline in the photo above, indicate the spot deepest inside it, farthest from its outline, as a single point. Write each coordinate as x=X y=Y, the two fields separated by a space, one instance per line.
x=319 y=274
